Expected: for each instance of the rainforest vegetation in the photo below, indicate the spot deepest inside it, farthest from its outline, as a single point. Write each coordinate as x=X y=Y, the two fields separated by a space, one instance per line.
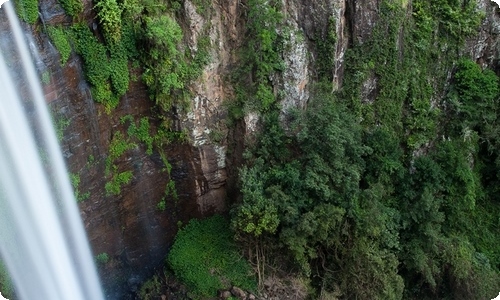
x=393 y=198
x=392 y=195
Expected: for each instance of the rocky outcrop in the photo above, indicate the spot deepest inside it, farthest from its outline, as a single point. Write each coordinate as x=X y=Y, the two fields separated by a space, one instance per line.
x=484 y=47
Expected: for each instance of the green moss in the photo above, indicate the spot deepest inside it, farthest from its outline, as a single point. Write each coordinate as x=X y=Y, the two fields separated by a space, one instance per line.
x=61 y=42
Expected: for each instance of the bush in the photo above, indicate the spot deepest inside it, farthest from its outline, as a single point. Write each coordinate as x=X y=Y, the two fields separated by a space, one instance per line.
x=102 y=258
x=110 y=17
x=205 y=258
x=114 y=186
x=27 y=10
x=119 y=73
x=95 y=63
x=60 y=40
x=72 y=7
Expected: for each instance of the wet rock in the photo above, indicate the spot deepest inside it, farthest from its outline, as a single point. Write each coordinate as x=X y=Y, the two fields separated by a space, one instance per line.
x=224 y=294
x=239 y=293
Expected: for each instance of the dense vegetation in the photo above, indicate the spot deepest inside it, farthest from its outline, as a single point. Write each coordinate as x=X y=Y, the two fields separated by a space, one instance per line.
x=384 y=198
x=390 y=193
x=206 y=259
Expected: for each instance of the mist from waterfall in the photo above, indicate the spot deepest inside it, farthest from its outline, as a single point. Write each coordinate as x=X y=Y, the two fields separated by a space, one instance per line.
x=42 y=239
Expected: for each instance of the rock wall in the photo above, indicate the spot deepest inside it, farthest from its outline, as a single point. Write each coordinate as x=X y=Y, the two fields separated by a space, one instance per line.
x=130 y=228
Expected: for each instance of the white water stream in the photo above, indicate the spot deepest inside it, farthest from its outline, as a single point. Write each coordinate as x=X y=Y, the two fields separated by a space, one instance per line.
x=42 y=239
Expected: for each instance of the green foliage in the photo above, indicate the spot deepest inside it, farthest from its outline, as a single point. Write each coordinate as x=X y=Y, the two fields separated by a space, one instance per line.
x=142 y=133
x=150 y=289
x=102 y=258
x=118 y=146
x=373 y=271
x=456 y=19
x=110 y=17
x=474 y=94
x=72 y=7
x=255 y=215
x=205 y=258
x=75 y=182
x=170 y=189
x=310 y=197
x=61 y=42
x=151 y=35
x=119 y=73
x=162 y=205
x=118 y=180
x=27 y=10
x=326 y=45
x=386 y=193
x=203 y=7
x=217 y=135
x=60 y=125
x=108 y=74
x=166 y=70
x=261 y=57
x=96 y=64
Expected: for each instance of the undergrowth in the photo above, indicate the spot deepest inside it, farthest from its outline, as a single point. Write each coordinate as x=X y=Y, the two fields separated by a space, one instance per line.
x=205 y=258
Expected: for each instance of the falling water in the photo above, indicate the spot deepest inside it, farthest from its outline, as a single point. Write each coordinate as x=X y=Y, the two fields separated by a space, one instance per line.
x=42 y=240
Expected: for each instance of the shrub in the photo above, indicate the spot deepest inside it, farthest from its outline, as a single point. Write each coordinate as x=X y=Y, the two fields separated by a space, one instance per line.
x=72 y=7
x=27 y=10
x=205 y=258
x=110 y=17
x=114 y=186
x=119 y=73
x=61 y=42
x=102 y=258
x=141 y=132
x=95 y=63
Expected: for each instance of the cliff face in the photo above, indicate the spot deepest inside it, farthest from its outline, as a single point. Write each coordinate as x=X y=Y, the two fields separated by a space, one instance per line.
x=129 y=227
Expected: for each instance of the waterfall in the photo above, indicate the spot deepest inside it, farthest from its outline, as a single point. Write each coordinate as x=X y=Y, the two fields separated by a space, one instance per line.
x=42 y=239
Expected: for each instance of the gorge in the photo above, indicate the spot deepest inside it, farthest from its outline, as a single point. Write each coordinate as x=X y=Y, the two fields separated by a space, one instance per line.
x=159 y=104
